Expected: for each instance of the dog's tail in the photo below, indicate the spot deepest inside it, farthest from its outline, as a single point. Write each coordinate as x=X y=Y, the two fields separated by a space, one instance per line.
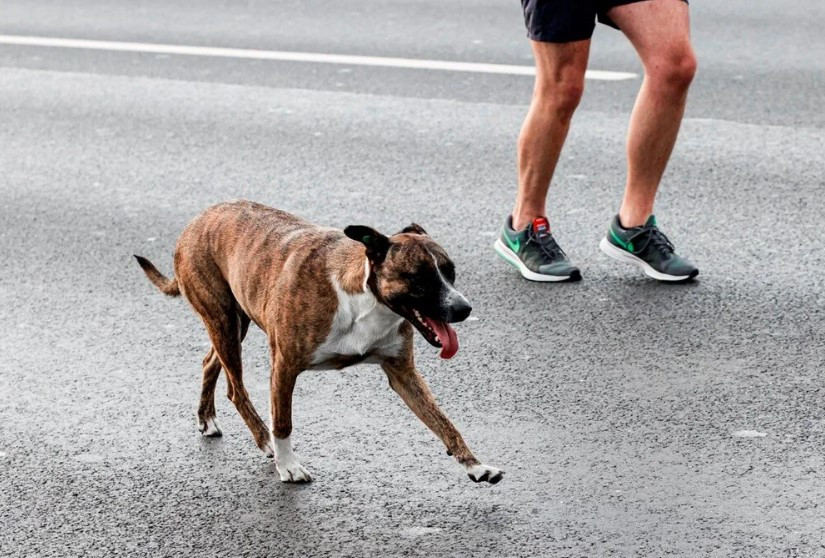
x=167 y=286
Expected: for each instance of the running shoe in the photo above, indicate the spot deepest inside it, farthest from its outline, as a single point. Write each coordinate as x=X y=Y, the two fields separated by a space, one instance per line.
x=535 y=253
x=648 y=248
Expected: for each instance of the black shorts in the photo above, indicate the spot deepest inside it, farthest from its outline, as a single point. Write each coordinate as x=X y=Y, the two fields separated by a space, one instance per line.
x=563 y=21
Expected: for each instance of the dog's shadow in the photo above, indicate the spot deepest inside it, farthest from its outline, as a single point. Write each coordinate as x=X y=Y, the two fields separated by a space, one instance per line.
x=380 y=515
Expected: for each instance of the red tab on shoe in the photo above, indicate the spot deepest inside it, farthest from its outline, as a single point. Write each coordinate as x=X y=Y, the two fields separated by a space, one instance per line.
x=541 y=226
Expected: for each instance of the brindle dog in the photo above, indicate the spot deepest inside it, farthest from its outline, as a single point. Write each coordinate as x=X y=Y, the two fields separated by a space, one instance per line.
x=326 y=298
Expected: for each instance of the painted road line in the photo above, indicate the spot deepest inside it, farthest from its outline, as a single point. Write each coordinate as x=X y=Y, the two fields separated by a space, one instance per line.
x=289 y=56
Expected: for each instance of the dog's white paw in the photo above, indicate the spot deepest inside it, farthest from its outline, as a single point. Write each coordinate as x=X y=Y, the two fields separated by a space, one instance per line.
x=292 y=471
x=209 y=428
x=484 y=473
x=289 y=469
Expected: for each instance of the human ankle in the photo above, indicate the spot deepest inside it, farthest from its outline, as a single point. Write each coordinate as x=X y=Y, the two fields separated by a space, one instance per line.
x=521 y=221
x=629 y=219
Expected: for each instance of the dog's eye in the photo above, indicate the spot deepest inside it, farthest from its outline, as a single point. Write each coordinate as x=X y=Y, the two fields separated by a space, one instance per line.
x=418 y=289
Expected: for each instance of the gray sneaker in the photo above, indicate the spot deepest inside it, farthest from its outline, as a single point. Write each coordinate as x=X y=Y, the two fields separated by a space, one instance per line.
x=647 y=248
x=535 y=253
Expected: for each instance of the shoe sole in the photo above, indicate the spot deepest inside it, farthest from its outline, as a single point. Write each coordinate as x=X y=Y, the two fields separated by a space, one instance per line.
x=511 y=258
x=623 y=256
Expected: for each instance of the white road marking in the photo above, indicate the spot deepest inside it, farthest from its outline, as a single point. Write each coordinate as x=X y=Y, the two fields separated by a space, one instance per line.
x=289 y=56
x=413 y=532
x=749 y=434
x=89 y=458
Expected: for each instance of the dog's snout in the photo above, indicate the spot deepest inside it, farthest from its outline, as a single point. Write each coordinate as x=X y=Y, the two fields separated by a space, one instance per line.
x=460 y=309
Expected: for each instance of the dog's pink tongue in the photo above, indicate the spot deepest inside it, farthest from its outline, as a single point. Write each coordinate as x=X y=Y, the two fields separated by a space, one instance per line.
x=446 y=335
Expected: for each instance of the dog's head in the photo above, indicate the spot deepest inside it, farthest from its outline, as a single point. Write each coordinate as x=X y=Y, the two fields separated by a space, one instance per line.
x=414 y=277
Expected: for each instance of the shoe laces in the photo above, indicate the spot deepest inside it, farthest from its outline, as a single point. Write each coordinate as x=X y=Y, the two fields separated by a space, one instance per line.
x=547 y=245
x=654 y=237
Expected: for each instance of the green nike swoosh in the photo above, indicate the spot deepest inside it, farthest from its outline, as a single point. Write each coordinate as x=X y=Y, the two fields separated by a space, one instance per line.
x=514 y=245
x=626 y=245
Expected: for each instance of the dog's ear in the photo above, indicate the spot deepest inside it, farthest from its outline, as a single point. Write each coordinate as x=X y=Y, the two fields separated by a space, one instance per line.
x=413 y=228
x=377 y=244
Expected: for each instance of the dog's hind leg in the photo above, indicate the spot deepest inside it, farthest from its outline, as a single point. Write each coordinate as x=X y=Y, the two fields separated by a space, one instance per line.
x=224 y=328
x=410 y=385
x=207 y=423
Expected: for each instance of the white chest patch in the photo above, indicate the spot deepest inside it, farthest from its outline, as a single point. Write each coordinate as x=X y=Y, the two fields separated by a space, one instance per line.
x=361 y=326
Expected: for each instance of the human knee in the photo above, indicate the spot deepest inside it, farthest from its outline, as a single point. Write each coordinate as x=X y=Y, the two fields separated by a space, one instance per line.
x=559 y=97
x=673 y=69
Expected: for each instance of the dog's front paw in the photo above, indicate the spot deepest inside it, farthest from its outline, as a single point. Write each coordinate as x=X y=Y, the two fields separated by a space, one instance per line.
x=292 y=471
x=484 y=473
x=209 y=428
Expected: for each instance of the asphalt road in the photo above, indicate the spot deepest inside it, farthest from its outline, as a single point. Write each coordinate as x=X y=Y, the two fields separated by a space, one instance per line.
x=632 y=418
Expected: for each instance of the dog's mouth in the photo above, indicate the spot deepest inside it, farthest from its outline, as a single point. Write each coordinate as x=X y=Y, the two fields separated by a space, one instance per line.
x=437 y=333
